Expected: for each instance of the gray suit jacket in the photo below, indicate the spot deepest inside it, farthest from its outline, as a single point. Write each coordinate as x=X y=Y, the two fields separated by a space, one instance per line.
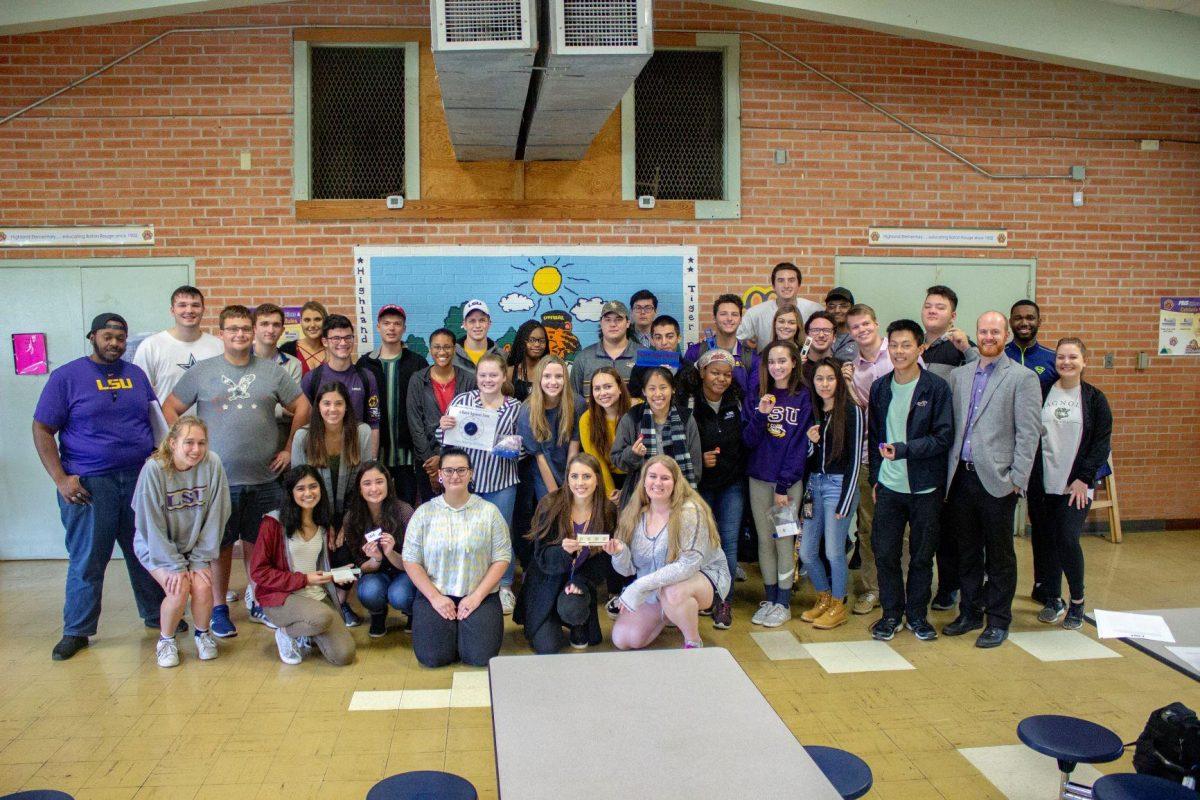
x=1008 y=425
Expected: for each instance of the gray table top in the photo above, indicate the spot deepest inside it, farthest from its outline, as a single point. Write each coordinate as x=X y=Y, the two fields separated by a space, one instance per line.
x=655 y=724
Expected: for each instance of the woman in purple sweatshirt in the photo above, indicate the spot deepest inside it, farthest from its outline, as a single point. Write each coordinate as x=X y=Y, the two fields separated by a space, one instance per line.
x=777 y=417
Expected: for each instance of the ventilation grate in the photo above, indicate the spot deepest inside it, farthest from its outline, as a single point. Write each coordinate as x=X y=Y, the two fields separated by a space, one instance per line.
x=357 y=122
x=600 y=23
x=679 y=111
x=482 y=21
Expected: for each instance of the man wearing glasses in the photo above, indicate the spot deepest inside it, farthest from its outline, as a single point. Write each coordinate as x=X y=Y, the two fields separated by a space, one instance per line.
x=644 y=304
x=235 y=394
x=821 y=331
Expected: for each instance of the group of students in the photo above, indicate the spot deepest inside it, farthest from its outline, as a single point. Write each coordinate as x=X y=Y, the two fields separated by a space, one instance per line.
x=633 y=473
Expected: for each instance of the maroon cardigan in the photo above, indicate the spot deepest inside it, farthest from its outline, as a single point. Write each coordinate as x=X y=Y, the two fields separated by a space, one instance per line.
x=271 y=565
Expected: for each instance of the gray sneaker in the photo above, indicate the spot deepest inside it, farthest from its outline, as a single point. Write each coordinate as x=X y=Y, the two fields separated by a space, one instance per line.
x=206 y=646
x=1053 y=611
x=778 y=615
x=764 y=608
x=167 y=652
x=289 y=651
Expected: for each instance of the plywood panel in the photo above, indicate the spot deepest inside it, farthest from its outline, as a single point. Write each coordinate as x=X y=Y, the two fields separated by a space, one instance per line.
x=596 y=177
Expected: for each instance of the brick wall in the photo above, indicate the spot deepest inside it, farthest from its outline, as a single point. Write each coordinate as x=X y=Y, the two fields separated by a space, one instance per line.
x=157 y=140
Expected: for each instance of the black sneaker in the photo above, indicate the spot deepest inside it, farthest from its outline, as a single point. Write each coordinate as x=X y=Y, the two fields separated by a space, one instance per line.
x=154 y=624
x=722 y=615
x=351 y=619
x=922 y=630
x=1073 y=621
x=962 y=624
x=944 y=601
x=68 y=646
x=1053 y=611
x=613 y=607
x=885 y=629
x=992 y=636
x=578 y=637
x=378 y=624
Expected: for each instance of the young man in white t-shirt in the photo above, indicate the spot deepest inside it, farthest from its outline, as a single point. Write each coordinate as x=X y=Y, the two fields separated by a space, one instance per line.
x=757 y=320
x=166 y=355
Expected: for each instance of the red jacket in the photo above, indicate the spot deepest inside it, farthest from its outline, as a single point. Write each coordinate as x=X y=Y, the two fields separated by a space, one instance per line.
x=271 y=564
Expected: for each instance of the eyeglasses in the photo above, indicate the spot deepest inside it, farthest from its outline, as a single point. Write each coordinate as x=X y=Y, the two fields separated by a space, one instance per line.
x=643 y=307
x=455 y=472
x=820 y=331
x=238 y=329
x=341 y=339
x=442 y=347
x=536 y=340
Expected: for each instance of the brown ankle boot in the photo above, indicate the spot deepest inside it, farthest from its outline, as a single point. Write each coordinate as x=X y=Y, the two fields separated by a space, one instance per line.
x=819 y=608
x=835 y=614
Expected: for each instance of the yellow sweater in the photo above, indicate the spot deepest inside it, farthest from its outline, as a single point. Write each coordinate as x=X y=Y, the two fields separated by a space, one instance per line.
x=585 y=438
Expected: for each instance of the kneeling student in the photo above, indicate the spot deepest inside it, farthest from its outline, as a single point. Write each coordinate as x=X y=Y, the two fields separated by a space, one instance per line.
x=290 y=570
x=180 y=506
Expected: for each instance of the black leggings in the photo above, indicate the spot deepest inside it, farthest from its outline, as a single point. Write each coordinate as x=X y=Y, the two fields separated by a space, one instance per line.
x=438 y=641
x=1057 y=526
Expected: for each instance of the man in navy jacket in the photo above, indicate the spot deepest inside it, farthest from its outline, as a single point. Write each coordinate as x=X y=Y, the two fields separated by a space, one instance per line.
x=910 y=429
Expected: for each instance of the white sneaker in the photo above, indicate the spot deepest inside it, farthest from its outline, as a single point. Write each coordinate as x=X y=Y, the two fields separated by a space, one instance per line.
x=231 y=597
x=248 y=595
x=740 y=575
x=168 y=653
x=206 y=646
x=289 y=652
x=764 y=608
x=778 y=615
x=508 y=600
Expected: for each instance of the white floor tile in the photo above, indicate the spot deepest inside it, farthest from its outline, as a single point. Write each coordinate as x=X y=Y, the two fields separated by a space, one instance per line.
x=869 y=656
x=425 y=698
x=470 y=690
x=779 y=645
x=375 y=701
x=1021 y=774
x=1060 y=645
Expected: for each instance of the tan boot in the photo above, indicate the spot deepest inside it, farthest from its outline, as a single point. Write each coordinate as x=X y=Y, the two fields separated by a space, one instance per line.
x=835 y=614
x=819 y=608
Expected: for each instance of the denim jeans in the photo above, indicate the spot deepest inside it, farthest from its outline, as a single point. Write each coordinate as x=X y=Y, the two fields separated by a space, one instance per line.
x=92 y=530
x=727 y=505
x=377 y=590
x=826 y=527
x=505 y=499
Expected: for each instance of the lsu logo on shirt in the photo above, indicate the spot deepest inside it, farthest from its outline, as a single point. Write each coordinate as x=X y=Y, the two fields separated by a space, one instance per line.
x=781 y=417
x=113 y=384
x=181 y=499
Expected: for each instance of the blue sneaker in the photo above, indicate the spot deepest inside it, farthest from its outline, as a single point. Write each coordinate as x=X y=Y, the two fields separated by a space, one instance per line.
x=256 y=615
x=222 y=626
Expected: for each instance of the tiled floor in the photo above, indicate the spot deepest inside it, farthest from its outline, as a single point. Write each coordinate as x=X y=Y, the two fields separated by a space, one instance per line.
x=111 y=724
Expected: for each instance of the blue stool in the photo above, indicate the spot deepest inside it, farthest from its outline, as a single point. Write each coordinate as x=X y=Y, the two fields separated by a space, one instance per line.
x=1128 y=786
x=38 y=794
x=1070 y=741
x=423 y=785
x=848 y=773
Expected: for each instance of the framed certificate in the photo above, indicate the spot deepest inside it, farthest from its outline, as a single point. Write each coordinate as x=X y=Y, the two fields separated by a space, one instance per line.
x=475 y=428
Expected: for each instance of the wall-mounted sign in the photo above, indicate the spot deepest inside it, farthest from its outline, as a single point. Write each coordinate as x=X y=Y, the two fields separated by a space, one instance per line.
x=107 y=236
x=1179 y=326
x=29 y=354
x=936 y=237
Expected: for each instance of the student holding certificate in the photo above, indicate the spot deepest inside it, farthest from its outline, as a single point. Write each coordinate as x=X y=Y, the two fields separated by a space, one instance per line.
x=495 y=476
x=560 y=586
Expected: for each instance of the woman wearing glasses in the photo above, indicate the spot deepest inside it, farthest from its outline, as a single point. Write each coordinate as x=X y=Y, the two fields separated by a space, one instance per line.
x=456 y=550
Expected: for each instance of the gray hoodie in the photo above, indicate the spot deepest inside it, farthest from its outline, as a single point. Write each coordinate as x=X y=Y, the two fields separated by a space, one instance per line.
x=180 y=516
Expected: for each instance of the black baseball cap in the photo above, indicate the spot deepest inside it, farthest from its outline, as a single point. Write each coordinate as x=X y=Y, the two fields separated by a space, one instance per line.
x=108 y=320
x=840 y=293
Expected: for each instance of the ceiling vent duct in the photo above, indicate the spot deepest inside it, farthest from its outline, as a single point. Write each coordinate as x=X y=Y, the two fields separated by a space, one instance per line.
x=596 y=50
x=484 y=52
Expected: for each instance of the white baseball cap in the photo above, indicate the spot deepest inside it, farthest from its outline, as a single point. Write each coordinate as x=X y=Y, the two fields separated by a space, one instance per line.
x=475 y=305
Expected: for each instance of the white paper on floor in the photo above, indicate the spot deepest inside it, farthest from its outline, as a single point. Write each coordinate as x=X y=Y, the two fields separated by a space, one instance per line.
x=779 y=645
x=1188 y=655
x=868 y=656
x=469 y=690
x=1060 y=646
x=1123 y=625
x=1021 y=774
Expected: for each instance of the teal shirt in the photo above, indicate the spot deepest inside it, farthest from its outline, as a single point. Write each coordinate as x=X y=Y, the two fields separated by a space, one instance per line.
x=894 y=474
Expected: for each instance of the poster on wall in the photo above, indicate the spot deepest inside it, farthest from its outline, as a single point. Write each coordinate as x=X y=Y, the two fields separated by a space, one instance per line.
x=291 y=324
x=564 y=287
x=1179 y=326
x=29 y=354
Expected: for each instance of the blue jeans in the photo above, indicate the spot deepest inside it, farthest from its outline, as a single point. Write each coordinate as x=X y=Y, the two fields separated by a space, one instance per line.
x=376 y=591
x=825 y=527
x=727 y=505
x=92 y=530
x=505 y=499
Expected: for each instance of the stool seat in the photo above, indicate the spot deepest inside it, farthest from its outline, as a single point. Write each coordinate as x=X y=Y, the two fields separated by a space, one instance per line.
x=423 y=785
x=1129 y=786
x=38 y=794
x=848 y=773
x=1070 y=740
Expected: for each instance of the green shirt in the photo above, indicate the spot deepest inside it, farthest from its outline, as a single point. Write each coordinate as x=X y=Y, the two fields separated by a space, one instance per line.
x=894 y=474
x=396 y=456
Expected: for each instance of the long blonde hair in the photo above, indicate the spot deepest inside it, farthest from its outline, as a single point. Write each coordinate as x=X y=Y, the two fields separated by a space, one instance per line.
x=681 y=496
x=163 y=454
x=537 y=404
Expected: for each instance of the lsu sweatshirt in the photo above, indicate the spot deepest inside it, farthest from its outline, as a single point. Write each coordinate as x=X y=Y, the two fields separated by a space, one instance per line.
x=776 y=443
x=180 y=516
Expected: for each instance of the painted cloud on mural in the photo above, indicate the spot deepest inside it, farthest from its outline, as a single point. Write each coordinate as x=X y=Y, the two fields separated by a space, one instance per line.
x=515 y=301
x=587 y=309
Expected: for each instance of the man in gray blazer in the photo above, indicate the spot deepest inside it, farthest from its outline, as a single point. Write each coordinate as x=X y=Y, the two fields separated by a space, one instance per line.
x=997 y=425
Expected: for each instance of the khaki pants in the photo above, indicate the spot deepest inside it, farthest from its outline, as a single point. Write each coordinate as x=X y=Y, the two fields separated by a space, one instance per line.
x=868 y=578
x=303 y=616
x=776 y=557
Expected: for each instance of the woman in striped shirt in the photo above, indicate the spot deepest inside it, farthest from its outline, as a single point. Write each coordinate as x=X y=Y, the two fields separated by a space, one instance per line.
x=833 y=464
x=495 y=477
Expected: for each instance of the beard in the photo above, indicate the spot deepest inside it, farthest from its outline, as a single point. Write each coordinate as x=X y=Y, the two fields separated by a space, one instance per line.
x=990 y=350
